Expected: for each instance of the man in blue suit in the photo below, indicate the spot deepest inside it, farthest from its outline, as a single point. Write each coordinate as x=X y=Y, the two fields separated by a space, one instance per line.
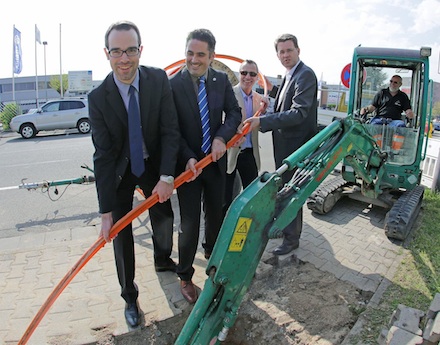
x=294 y=121
x=209 y=186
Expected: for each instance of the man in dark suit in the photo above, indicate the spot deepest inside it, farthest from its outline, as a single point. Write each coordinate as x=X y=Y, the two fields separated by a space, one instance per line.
x=132 y=93
x=224 y=118
x=294 y=121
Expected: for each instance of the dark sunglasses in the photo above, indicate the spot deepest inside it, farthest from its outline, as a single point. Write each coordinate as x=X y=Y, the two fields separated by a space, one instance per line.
x=245 y=73
x=394 y=82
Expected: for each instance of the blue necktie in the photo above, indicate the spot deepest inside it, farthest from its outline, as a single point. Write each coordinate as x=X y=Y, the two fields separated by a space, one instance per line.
x=202 y=99
x=135 y=135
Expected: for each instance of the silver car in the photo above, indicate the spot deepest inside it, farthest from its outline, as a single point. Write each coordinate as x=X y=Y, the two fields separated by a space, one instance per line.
x=55 y=114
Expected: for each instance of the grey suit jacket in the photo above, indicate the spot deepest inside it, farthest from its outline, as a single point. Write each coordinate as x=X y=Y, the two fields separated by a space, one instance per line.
x=297 y=120
x=109 y=122
x=224 y=113
x=234 y=151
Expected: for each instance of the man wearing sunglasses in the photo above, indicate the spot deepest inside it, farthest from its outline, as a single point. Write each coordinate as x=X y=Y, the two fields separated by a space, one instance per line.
x=294 y=121
x=244 y=156
x=389 y=103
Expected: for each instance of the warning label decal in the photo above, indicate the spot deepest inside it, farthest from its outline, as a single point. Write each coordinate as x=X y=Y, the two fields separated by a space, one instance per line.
x=240 y=234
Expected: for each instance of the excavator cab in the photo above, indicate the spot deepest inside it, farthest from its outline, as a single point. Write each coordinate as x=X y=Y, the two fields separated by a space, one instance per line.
x=403 y=148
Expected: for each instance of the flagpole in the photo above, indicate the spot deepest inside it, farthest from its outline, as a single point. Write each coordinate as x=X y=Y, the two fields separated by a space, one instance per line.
x=13 y=63
x=36 y=73
x=61 y=70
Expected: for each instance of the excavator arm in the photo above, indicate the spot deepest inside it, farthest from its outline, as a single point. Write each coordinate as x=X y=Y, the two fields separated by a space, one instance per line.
x=260 y=213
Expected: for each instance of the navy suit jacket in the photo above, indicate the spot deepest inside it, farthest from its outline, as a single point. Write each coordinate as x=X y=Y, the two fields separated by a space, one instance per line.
x=297 y=120
x=109 y=122
x=224 y=113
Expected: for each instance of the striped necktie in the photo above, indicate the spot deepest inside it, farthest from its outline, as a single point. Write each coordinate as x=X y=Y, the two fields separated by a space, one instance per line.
x=202 y=100
x=135 y=135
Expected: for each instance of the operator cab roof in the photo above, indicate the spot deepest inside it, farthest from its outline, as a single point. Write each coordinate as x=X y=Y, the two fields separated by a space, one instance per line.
x=389 y=57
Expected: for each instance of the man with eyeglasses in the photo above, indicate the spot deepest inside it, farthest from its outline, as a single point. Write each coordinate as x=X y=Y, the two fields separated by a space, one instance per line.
x=389 y=103
x=294 y=122
x=136 y=137
x=244 y=156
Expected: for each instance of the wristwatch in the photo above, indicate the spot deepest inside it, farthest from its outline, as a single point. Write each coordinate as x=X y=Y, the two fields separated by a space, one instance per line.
x=167 y=178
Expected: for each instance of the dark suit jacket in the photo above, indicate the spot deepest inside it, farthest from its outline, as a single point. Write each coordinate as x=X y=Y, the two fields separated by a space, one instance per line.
x=297 y=120
x=109 y=122
x=224 y=113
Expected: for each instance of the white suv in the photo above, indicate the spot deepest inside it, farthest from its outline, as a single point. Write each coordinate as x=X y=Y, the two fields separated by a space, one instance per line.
x=56 y=114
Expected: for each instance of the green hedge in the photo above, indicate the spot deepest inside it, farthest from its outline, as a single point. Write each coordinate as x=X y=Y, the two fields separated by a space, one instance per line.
x=8 y=112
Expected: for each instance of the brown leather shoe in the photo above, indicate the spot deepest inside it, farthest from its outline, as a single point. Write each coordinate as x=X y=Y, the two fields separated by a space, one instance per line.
x=188 y=290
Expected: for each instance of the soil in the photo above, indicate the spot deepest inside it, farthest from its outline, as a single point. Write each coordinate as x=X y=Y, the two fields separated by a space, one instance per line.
x=297 y=304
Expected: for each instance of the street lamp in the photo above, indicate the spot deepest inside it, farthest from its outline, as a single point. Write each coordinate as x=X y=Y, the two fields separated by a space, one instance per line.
x=45 y=75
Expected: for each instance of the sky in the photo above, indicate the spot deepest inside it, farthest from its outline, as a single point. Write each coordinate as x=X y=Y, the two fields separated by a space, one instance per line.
x=327 y=31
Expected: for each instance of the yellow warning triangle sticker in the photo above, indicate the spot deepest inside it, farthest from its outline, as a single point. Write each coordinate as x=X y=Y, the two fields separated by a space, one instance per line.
x=240 y=233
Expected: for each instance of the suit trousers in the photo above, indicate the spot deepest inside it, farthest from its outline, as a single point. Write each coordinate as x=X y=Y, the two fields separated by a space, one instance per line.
x=162 y=218
x=282 y=148
x=248 y=171
x=207 y=190
x=292 y=232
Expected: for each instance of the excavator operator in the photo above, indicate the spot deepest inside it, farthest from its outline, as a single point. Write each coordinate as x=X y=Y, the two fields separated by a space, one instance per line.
x=390 y=103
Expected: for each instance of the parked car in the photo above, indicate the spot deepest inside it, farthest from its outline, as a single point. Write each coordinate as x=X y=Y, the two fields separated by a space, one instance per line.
x=55 y=114
x=437 y=125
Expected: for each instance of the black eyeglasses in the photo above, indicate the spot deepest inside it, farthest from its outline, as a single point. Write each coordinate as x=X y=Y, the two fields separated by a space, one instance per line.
x=245 y=73
x=117 y=53
x=394 y=82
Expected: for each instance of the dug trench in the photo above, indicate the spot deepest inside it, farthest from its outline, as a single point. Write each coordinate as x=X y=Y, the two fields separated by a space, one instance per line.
x=294 y=304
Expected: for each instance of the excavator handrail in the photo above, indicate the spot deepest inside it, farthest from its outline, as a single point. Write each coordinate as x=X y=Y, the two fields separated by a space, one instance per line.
x=425 y=146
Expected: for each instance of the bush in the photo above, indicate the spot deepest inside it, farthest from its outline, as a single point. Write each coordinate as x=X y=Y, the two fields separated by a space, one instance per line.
x=8 y=112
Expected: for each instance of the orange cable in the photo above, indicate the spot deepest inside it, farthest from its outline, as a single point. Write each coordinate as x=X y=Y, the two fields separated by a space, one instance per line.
x=121 y=224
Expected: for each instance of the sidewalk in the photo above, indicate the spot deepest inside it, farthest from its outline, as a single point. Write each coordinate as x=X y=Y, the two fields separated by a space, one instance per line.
x=349 y=242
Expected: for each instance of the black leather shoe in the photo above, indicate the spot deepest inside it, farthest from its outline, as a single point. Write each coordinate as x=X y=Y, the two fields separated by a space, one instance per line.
x=286 y=248
x=132 y=314
x=168 y=265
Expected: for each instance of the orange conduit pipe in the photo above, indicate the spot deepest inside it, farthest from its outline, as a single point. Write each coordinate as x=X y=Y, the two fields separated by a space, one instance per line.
x=123 y=222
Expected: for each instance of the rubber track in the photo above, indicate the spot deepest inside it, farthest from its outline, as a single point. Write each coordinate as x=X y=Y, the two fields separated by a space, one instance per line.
x=319 y=200
x=401 y=217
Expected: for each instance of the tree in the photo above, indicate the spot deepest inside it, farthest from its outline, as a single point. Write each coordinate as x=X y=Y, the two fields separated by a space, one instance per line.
x=9 y=111
x=376 y=77
x=55 y=83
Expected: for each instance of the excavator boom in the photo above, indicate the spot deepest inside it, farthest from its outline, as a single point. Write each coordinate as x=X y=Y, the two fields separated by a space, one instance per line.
x=259 y=213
